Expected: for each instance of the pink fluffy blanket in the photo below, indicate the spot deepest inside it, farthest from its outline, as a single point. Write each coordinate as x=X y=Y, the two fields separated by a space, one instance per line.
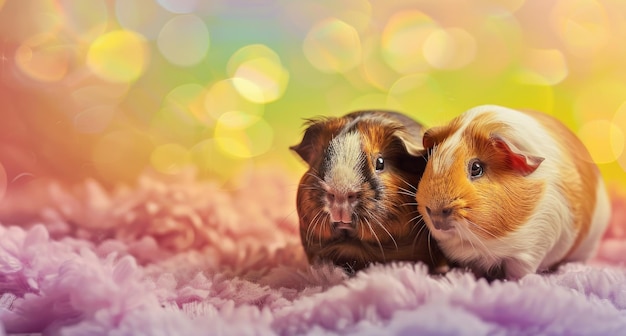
x=188 y=257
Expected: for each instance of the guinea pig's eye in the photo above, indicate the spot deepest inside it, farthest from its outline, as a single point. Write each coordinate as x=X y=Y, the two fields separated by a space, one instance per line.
x=476 y=169
x=380 y=163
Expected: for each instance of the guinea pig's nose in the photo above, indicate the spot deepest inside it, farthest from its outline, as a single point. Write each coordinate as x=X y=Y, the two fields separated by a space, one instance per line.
x=341 y=197
x=440 y=217
x=444 y=212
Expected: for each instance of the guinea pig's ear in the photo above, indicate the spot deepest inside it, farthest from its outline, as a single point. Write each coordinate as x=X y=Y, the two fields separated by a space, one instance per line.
x=434 y=136
x=410 y=134
x=308 y=147
x=412 y=141
x=518 y=160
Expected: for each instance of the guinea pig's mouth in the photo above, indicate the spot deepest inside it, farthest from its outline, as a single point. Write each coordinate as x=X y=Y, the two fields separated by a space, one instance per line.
x=343 y=231
x=343 y=226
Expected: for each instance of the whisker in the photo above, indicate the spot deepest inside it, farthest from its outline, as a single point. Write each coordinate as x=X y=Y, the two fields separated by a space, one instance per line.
x=484 y=230
x=380 y=245
x=361 y=226
x=419 y=232
x=315 y=176
x=407 y=183
x=408 y=193
x=430 y=248
x=418 y=219
x=388 y=233
x=320 y=232
x=314 y=222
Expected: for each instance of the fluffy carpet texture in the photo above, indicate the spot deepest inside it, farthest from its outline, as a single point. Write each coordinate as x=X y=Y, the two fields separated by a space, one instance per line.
x=189 y=257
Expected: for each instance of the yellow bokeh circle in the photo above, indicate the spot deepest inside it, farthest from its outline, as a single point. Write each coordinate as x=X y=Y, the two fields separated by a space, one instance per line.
x=243 y=136
x=188 y=99
x=333 y=46
x=224 y=96
x=118 y=56
x=603 y=139
x=261 y=80
x=257 y=74
x=449 y=49
x=403 y=41
x=212 y=161
x=250 y=52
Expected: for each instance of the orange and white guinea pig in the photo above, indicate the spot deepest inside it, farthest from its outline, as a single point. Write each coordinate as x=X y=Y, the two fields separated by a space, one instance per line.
x=356 y=202
x=507 y=193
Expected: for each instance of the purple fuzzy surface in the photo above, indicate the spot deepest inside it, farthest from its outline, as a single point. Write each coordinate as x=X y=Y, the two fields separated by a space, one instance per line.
x=189 y=258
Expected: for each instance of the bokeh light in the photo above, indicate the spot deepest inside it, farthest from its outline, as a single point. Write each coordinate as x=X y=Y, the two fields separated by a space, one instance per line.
x=223 y=97
x=603 y=139
x=332 y=46
x=503 y=7
x=403 y=41
x=86 y=19
x=599 y=99
x=44 y=58
x=112 y=88
x=619 y=120
x=216 y=163
x=188 y=99
x=449 y=48
x=257 y=74
x=243 y=136
x=261 y=80
x=499 y=41
x=179 y=6
x=118 y=56
x=583 y=25
x=184 y=40
x=175 y=120
x=543 y=67
x=146 y=17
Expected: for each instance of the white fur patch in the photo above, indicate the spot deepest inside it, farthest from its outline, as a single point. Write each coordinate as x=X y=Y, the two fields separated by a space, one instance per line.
x=444 y=153
x=346 y=158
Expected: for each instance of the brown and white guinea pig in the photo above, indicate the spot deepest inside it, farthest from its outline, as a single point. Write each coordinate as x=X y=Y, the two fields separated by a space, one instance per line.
x=356 y=202
x=508 y=193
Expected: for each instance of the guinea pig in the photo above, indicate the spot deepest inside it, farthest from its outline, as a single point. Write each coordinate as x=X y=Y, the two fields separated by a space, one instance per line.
x=506 y=193
x=356 y=202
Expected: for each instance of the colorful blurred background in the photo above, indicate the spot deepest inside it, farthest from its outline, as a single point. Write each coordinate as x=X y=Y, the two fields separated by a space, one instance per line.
x=108 y=89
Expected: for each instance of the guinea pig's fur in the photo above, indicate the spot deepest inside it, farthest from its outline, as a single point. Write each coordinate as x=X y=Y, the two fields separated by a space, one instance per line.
x=356 y=202
x=511 y=192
